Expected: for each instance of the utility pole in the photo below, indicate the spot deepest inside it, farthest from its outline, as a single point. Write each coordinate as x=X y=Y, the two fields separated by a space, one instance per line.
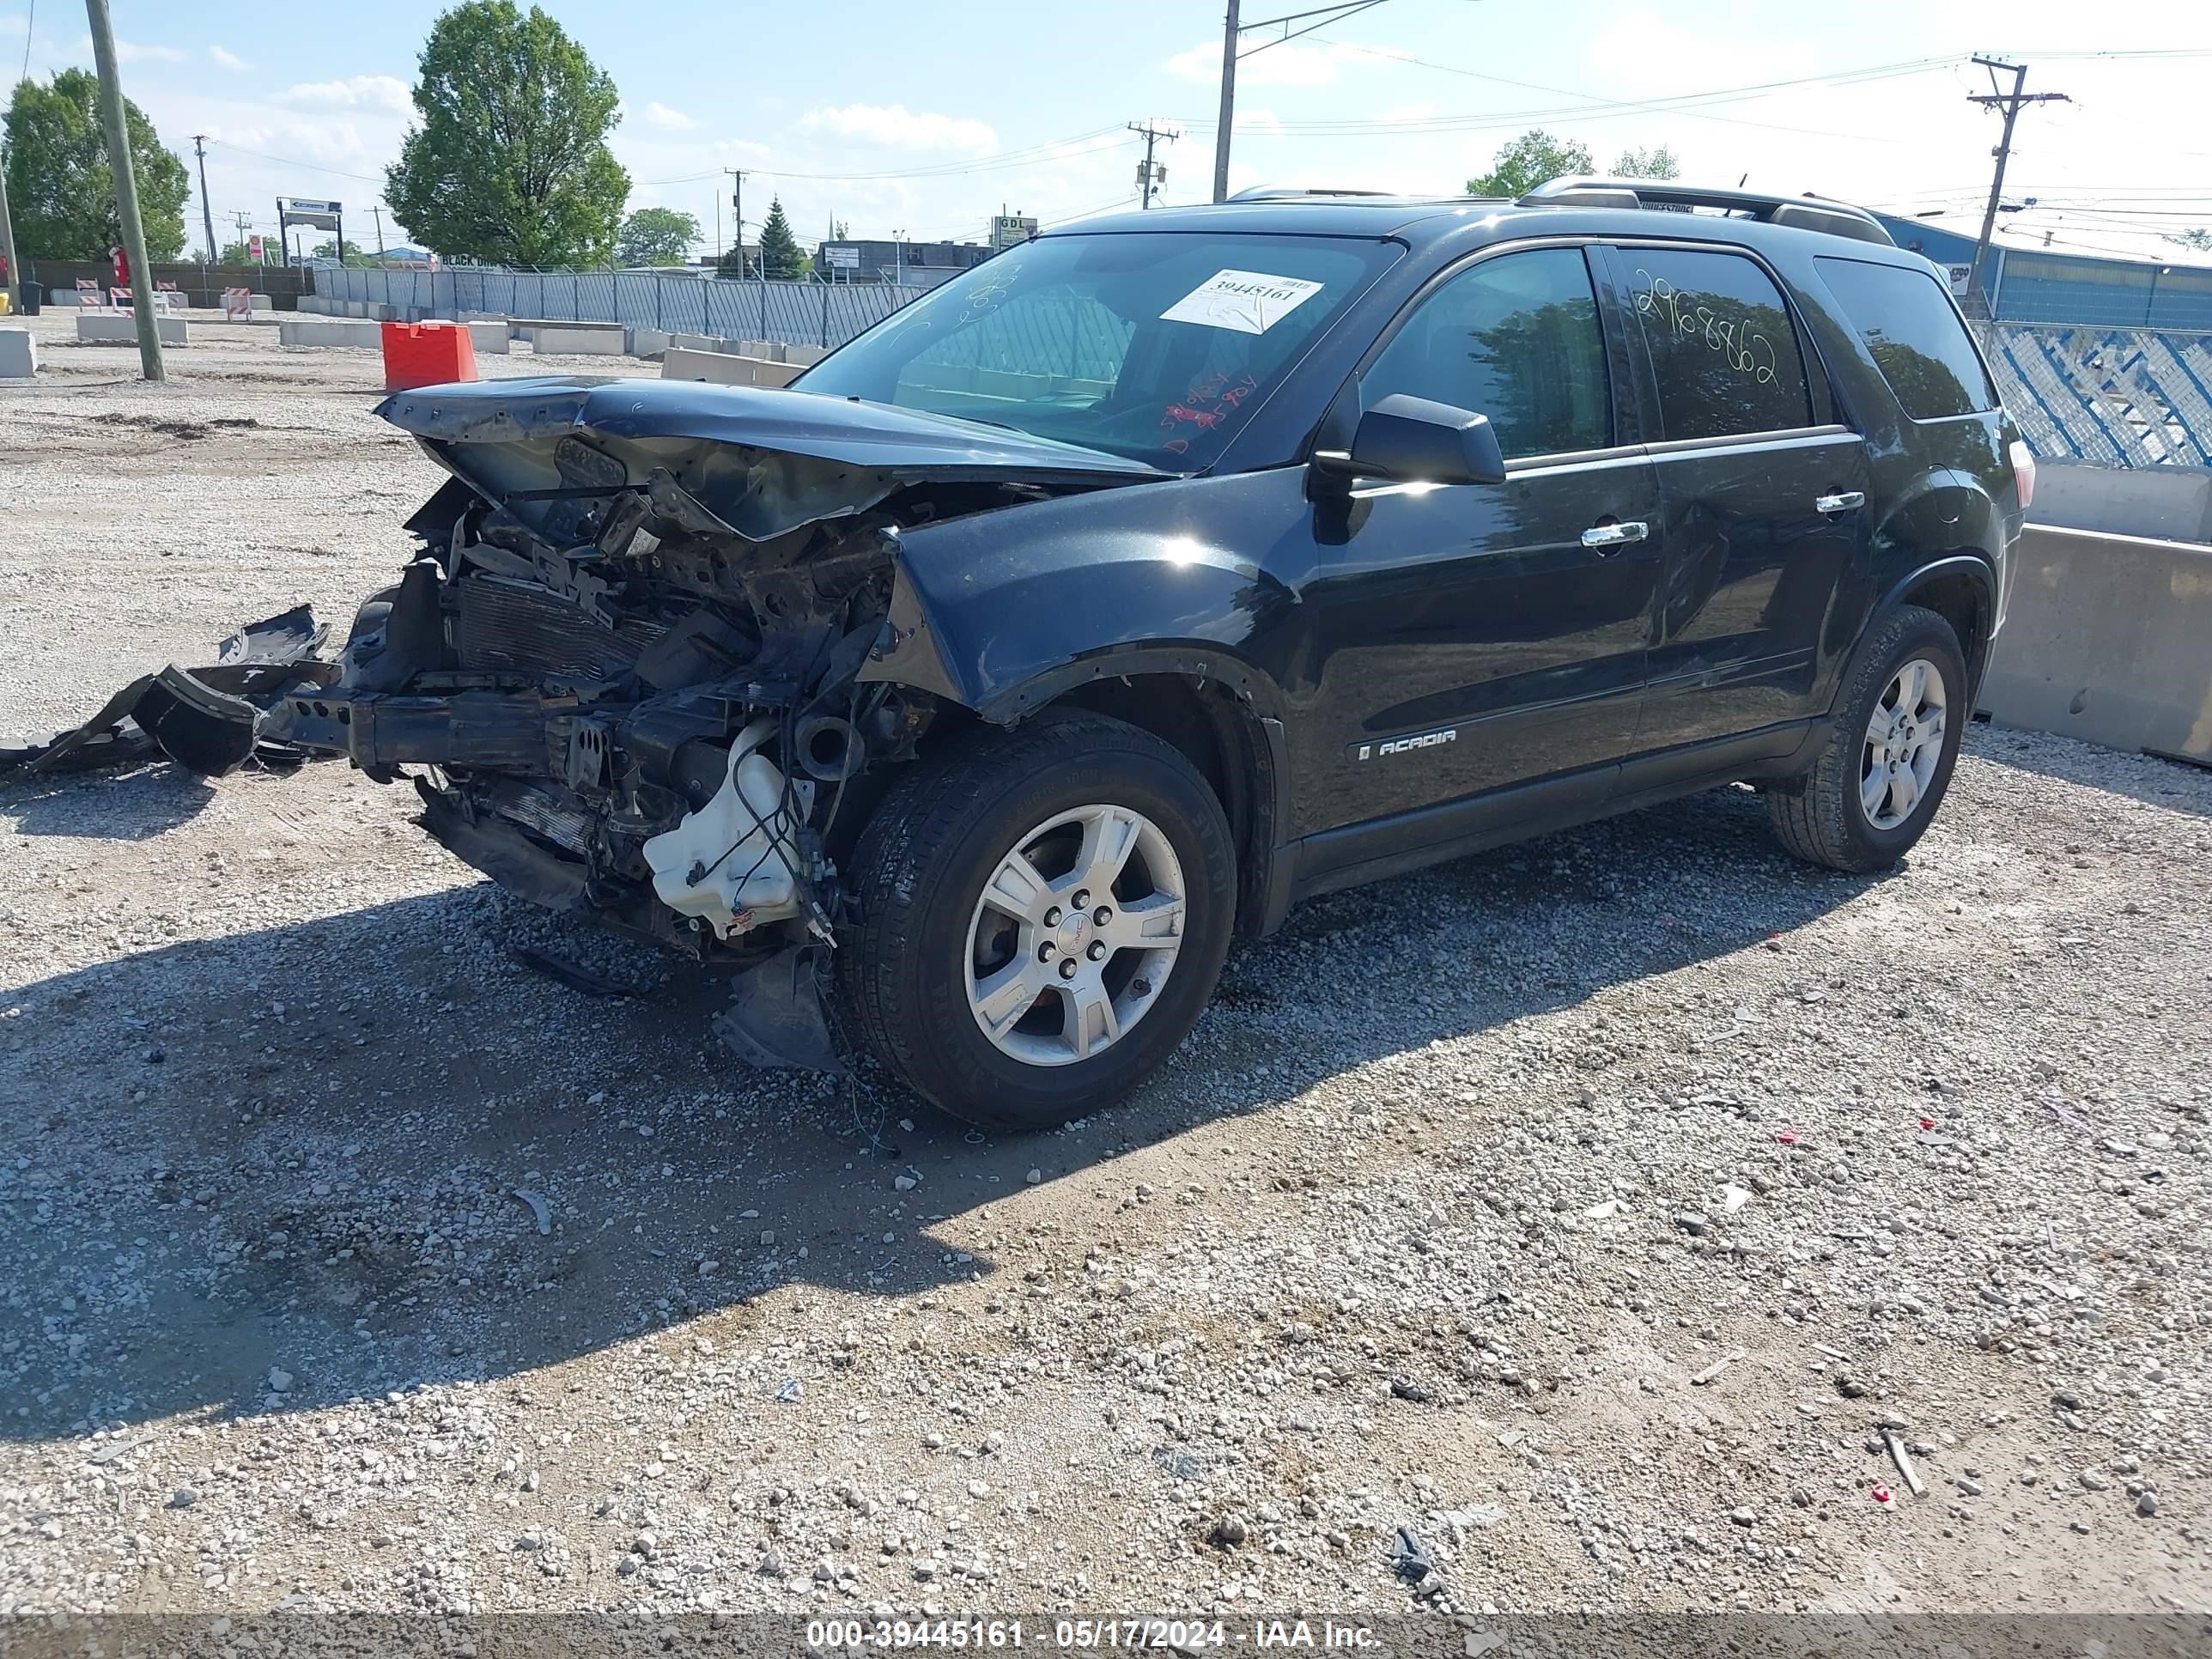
x=13 y=286
x=738 y=207
x=1228 y=117
x=377 y=211
x=207 y=208
x=126 y=189
x=1147 y=175
x=2010 y=103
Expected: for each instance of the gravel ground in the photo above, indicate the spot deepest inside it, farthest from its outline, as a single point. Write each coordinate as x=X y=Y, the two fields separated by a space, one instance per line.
x=1588 y=1209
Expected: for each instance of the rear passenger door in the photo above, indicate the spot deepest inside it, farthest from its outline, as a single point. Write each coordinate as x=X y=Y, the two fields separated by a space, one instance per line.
x=1762 y=496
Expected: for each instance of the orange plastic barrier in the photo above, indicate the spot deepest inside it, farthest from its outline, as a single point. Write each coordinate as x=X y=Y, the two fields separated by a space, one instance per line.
x=427 y=353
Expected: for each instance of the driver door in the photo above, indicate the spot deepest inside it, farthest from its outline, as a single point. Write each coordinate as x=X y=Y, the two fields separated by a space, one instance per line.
x=1474 y=637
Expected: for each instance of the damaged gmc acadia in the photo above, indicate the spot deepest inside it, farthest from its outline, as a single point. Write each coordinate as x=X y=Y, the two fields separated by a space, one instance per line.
x=966 y=696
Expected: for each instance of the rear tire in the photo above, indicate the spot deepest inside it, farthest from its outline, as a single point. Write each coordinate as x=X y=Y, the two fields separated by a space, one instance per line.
x=975 y=975
x=1875 y=787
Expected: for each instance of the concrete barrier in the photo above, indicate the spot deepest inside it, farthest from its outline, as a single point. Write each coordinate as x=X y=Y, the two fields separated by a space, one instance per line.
x=2106 y=640
x=697 y=343
x=19 y=354
x=580 y=339
x=332 y=331
x=120 y=328
x=2168 y=503
x=721 y=368
x=804 y=355
x=647 y=343
x=492 y=336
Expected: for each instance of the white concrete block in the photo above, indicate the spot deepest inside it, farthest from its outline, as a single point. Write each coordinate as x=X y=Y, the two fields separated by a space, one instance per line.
x=19 y=354
x=332 y=331
x=259 y=303
x=647 y=343
x=695 y=341
x=120 y=328
x=490 y=336
x=804 y=355
x=580 y=339
x=720 y=368
x=774 y=374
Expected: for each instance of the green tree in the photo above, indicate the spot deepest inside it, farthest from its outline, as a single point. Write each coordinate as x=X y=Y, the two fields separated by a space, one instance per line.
x=656 y=236
x=2199 y=238
x=60 y=190
x=1528 y=161
x=353 y=256
x=1657 y=162
x=509 y=163
x=780 y=258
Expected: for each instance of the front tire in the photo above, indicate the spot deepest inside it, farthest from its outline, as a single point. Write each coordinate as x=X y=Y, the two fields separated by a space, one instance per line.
x=1043 y=917
x=1874 y=789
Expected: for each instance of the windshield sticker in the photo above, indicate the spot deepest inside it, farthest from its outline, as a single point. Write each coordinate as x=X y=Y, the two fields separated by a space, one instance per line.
x=1248 y=301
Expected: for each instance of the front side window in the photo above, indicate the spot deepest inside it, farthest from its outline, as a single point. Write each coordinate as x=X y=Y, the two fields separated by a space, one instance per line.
x=1723 y=350
x=1515 y=338
x=1156 y=345
x=1914 y=335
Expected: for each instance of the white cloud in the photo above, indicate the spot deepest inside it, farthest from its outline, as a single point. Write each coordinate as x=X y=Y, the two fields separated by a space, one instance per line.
x=1287 y=63
x=229 y=60
x=899 y=128
x=674 y=119
x=358 y=92
x=130 y=52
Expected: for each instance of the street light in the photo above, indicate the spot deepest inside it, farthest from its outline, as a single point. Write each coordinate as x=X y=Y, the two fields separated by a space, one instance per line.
x=898 y=260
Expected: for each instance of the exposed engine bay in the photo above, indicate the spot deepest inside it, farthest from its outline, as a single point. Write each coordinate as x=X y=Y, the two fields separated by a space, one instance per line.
x=625 y=673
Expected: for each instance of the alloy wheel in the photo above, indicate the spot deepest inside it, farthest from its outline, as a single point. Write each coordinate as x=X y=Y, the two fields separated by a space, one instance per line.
x=1074 y=934
x=1904 y=745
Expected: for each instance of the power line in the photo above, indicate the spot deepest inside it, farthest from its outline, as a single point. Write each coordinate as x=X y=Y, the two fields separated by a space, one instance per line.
x=1028 y=156
x=312 y=167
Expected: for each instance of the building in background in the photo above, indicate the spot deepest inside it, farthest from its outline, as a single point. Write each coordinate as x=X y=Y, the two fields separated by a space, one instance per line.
x=2033 y=278
x=916 y=265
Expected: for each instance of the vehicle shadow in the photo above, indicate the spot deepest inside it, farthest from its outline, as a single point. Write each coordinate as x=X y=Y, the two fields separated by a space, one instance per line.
x=150 y=798
x=307 y=1149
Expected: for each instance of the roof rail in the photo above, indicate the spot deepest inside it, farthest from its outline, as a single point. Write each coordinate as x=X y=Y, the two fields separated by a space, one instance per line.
x=1300 y=192
x=1804 y=212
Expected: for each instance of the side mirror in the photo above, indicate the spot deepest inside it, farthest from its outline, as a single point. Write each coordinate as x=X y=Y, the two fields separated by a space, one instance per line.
x=1413 y=440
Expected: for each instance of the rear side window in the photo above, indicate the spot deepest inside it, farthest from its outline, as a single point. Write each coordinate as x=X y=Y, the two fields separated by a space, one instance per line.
x=1916 y=339
x=1723 y=350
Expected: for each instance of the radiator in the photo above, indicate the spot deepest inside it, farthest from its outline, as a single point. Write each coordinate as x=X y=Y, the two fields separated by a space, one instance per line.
x=503 y=623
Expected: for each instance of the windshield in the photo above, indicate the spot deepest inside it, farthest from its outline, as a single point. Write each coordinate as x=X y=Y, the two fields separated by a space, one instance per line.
x=1154 y=345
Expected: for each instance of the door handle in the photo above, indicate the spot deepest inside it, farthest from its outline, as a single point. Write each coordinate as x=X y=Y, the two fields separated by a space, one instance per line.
x=1842 y=501
x=1606 y=535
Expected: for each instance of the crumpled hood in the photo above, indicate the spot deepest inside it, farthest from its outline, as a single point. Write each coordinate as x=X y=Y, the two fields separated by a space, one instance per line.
x=905 y=443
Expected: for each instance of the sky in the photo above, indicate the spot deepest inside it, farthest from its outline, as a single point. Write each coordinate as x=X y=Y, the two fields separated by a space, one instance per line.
x=924 y=119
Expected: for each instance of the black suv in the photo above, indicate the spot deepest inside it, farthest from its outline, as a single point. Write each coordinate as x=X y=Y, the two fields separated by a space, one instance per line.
x=1174 y=567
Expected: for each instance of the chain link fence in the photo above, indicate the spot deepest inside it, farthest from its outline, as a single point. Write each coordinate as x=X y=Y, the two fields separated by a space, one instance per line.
x=2120 y=396
x=796 y=314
